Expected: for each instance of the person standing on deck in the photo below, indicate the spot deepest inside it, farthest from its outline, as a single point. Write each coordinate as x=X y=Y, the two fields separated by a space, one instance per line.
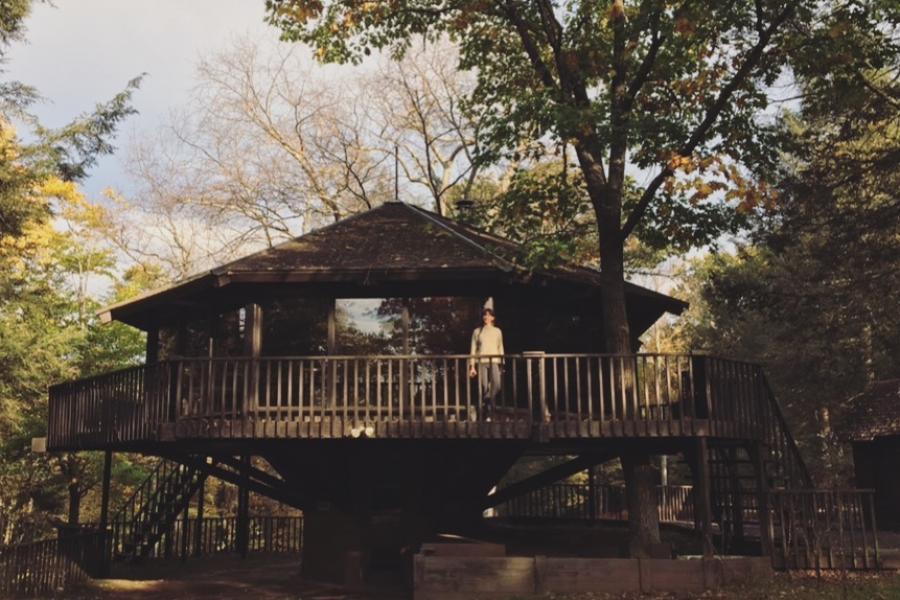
x=487 y=341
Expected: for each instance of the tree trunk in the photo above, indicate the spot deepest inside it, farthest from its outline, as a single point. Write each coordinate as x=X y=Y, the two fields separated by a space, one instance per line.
x=74 y=503
x=643 y=511
x=606 y=198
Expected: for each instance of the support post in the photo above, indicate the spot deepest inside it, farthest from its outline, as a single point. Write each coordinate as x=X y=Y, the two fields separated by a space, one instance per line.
x=201 y=499
x=253 y=317
x=702 y=495
x=592 y=494
x=757 y=455
x=185 y=528
x=737 y=500
x=243 y=517
x=152 y=356
x=106 y=547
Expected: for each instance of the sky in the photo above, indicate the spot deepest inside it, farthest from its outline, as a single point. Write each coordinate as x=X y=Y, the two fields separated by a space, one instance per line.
x=81 y=52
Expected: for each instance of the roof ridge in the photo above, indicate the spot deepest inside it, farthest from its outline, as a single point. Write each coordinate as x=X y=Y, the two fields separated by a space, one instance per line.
x=439 y=221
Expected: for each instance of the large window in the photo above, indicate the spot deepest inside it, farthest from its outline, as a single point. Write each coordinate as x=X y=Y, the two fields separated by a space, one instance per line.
x=440 y=325
x=443 y=325
x=295 y=326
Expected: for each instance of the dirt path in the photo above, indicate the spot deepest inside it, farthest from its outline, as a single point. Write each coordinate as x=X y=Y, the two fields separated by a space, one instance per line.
x=226 y=578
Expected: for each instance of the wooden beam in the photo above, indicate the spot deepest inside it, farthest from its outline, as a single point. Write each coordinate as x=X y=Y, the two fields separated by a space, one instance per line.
x=214 y=470
x=551 y=475
x=253 y=316
x=332 y=328
x=257 y=474
x=152 y=356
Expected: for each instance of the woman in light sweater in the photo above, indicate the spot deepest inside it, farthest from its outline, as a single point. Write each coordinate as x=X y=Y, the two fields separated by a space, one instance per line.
x=487 y=341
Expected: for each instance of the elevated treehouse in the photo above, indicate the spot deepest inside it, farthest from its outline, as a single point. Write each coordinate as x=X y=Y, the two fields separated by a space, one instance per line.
x=339 y=358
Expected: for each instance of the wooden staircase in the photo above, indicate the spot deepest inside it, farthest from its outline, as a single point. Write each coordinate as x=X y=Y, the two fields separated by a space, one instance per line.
x=152 y=510
x=736 y=478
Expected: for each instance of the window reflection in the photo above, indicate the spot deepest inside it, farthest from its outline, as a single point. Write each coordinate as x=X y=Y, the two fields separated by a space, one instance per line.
x=369 y=325
x=443 y=325
x=295 y=327
x=438 y=325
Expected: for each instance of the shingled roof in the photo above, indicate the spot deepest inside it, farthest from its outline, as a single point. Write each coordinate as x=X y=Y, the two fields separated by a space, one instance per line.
x=874 y=413
x=394 y=241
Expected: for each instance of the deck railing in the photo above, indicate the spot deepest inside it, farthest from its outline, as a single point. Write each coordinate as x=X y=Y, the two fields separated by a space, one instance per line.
x=564 y=395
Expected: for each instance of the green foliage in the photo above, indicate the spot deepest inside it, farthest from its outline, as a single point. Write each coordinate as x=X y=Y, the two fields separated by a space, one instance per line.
x=813 y=295
x=546 y=209
x=75 y=148
x=47 y=331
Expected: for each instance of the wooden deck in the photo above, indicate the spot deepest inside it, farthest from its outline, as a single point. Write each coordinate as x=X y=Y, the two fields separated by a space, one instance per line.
x=543 y=397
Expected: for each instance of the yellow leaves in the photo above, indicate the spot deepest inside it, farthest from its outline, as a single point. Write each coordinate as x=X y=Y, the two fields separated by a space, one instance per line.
x=680 y=163
x=300 y=11
x=717 y=175
x=66 y=191
x=71 y=204
x=36 y=245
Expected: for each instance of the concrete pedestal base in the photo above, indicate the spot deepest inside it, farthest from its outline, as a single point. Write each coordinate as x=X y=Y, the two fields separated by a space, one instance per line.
x=351 y=549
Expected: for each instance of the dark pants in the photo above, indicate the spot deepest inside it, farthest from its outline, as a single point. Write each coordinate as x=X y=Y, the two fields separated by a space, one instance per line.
x=491 y=383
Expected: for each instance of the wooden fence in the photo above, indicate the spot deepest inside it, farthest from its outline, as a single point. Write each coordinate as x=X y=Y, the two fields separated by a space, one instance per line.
x=580 y=501
x=809 y=529
x=50 y=566
x=216 y=535
x=824 y=529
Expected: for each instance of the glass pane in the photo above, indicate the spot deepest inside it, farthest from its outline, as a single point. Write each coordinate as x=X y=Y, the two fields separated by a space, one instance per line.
x=443 y=325
x=366 y=326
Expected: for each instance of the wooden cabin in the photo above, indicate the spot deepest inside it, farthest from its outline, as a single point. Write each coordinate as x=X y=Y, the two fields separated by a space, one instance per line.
x=872 y=426
x=341 y=358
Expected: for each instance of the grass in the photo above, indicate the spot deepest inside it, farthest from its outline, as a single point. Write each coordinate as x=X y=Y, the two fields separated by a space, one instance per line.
x=884 y=586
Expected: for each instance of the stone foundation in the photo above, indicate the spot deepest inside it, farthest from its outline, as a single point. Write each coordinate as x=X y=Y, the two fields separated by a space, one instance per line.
x=445 y=577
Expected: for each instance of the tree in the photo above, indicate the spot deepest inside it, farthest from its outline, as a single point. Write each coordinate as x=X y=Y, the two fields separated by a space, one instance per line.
x=676 y=90
x=673 y=90
x=267 y=148
x=812 y=293
x=43 y=317
x=421 y=112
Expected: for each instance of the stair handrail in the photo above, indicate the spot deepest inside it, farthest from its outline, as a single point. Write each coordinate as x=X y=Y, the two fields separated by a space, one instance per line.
x=139 y=503
x=786 y=432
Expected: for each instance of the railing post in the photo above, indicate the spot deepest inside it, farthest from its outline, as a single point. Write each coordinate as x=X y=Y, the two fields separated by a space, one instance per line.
x=592 y=495
x=537 y=403
x=105 y=548
x=243 y=524
x=201 y=498
x=757 y=455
